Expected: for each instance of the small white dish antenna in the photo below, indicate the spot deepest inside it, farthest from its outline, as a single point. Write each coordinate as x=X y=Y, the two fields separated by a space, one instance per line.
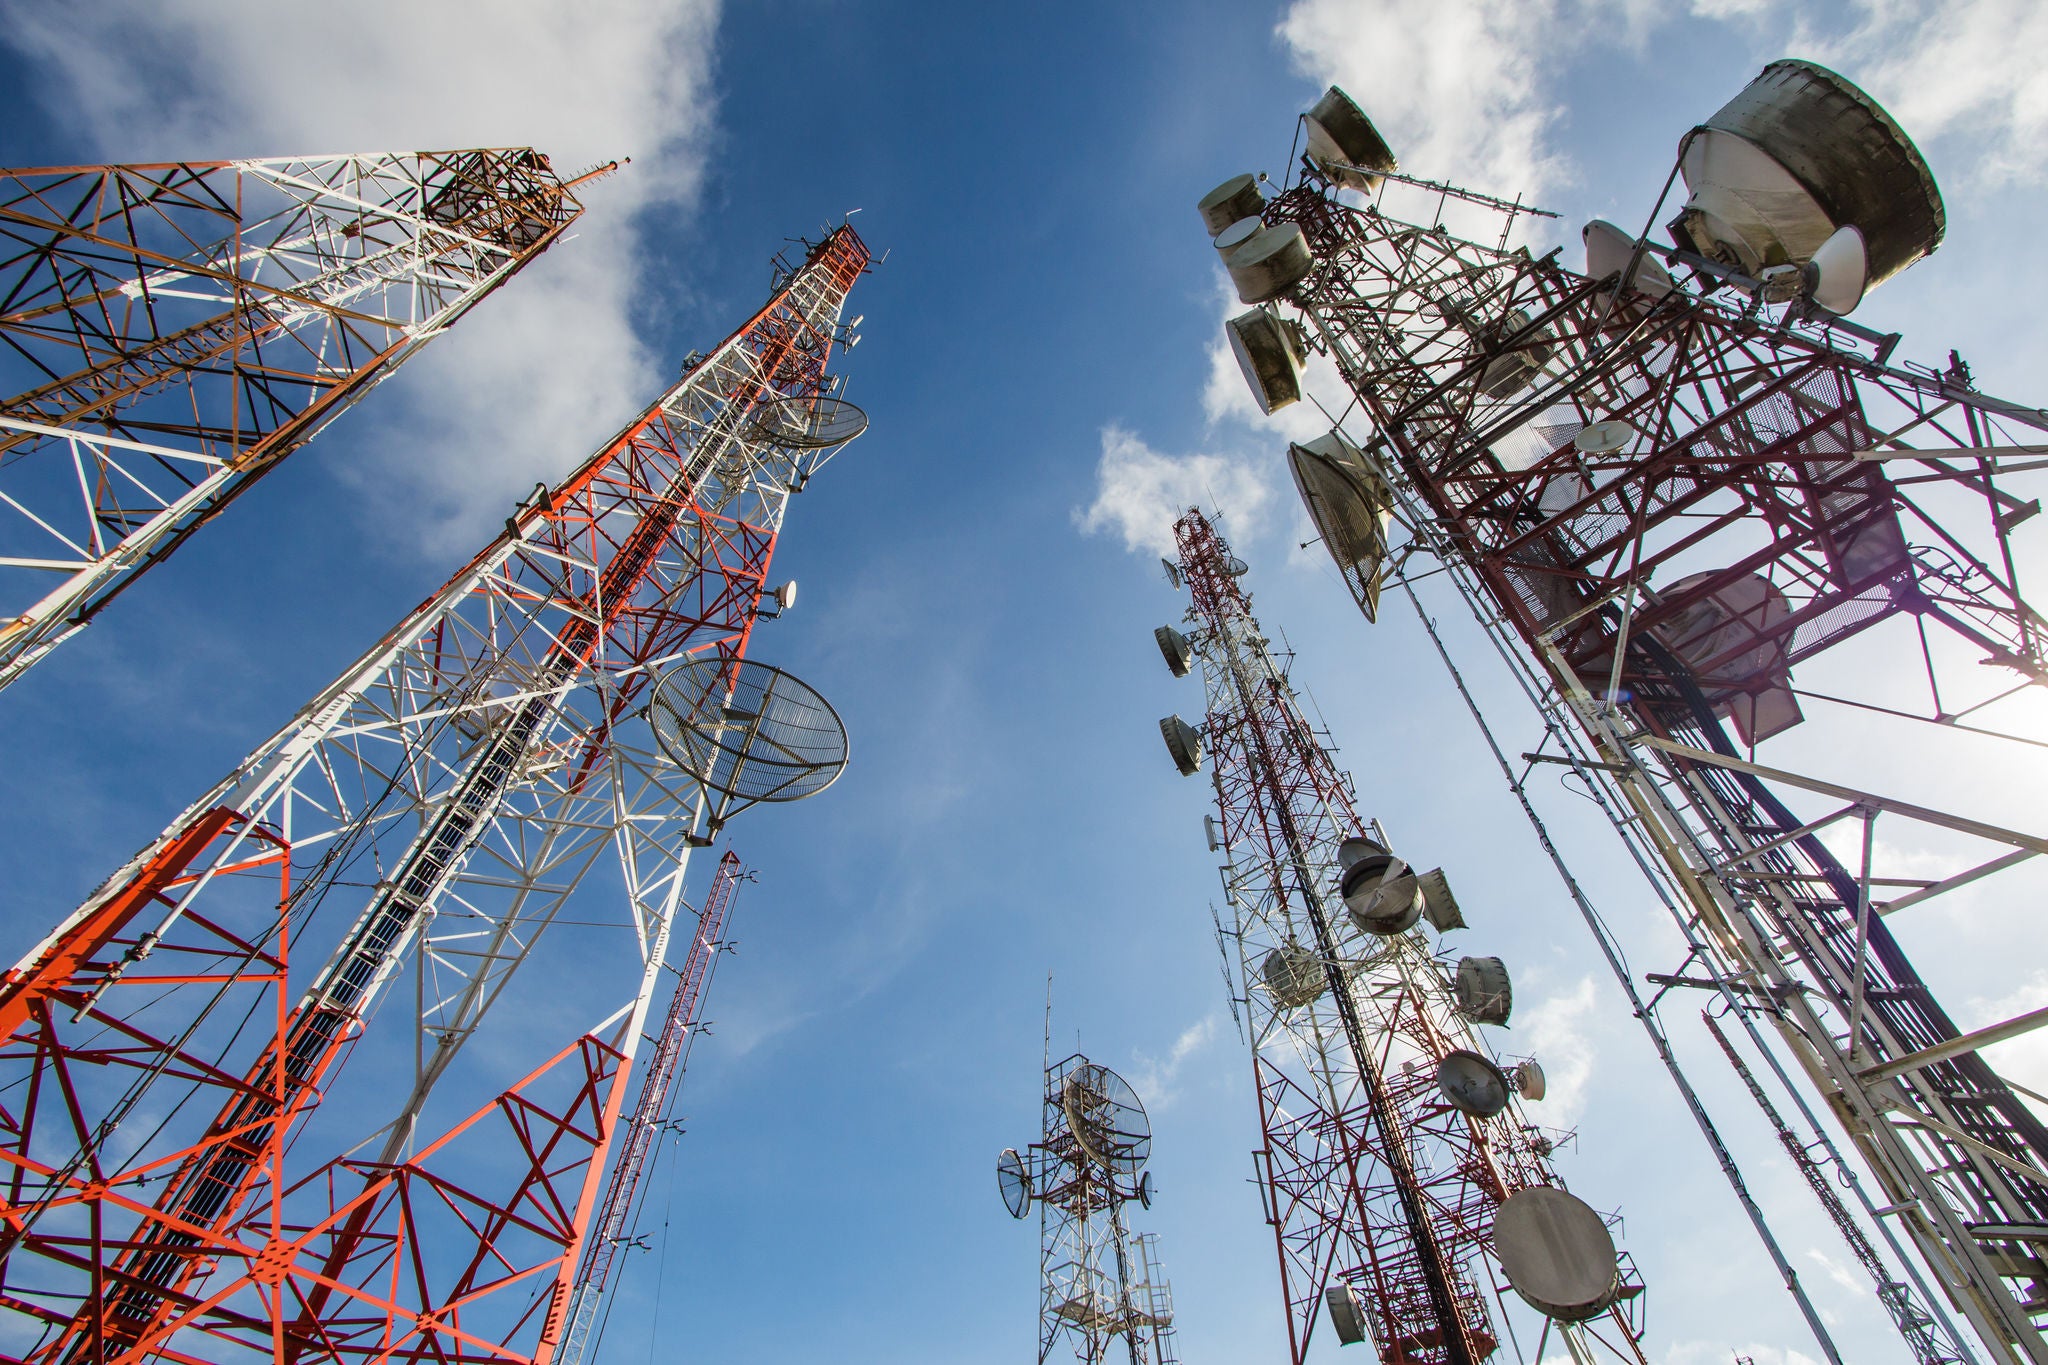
x=1184 y=743
x=1014 y=1181
x=1482 y=990
x=1529 y=1081
x=1172 y=572
x=1472 y=1084
x=1839 y=272
x=785 y=596
x=1175 y=649
x=1236 y=567
x=1609 y=251
x=1604 y=438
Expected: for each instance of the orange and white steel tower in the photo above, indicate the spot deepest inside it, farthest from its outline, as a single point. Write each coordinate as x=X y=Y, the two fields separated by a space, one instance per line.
x=188 y=1169
x=171 y=332
x=1404 y=1185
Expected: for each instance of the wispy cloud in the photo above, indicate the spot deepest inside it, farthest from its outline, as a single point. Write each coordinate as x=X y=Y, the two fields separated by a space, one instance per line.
x=1157 y=1079
x=542 y=371
x=1555 y=1030
x=1139 y=492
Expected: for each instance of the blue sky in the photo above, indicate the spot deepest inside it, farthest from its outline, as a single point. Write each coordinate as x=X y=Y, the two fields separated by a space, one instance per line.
x=1039 y=364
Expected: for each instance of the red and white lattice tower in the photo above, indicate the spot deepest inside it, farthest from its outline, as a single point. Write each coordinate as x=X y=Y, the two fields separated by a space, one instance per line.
x=189 y=1168
x=171 y=332
x=613 y=1227
x=1673 y=486
x=1382 y=1193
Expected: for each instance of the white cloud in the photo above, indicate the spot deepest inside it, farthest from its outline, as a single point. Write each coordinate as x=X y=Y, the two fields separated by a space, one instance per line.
x=1456 y=86
x=1970 y=66
x=1140 y=492
x=542 y=371
x=1555 y=1032
x=1155 y=1078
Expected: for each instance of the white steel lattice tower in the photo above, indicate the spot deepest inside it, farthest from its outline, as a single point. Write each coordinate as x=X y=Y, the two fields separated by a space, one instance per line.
x=190 y=1168
x=171 y=332
x=1397 y=1157
x=1100 y=1285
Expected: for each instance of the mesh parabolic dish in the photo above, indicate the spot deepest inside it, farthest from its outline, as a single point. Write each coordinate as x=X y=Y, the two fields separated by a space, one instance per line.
x=747 y=730
x=806 y=423
x=1105 y=1117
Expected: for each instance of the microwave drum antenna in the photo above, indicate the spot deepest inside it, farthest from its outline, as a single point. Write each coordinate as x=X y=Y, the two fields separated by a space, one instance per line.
x=1472 y=1084
x=1344 y=145
x=1270 y=354
x=1294 y=975
x=1352 y=509
x=1798 y=154
x=1106 y=1119
x=747 y=732
x=1175 y=649
x=1184 y=742
x=1233 y=201
x=1381 y=892
x=1482 y=989
x=1557 y=1253
x=805 y=423
x=1269 y=262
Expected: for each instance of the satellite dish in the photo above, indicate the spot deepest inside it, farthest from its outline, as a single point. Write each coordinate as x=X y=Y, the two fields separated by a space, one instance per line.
x=785 y=596
x=1145 y=1190
x=1512 y=371
x=1528 y=1079
x=1439 y=906
x=1172 y=571
x=747 y=731
x=1472 y=1084
x=1608 y=252
x=1293 y=975
x=1481 y=986
x=1839 y=272
x=1557 y=1253
x=1604 y=438
x=1184 y=742
x=1347 y=1316
x=1174 y=647
x=1351 y=506
x=1269 y=263
x=805 y=423
x=1237 y=234
x=1233 y=201
x=1270 y=354
x=1798 y=154
x=1106 y=1119
x=1015 y=1182
x=1344 y=145
x=1382 y=894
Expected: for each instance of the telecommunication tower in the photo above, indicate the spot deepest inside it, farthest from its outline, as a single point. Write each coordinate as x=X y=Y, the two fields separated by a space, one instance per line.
x=1404 y=1185
x=1100 y=1285
x=1665 y=484
x=176 y=330
x=190 y=1167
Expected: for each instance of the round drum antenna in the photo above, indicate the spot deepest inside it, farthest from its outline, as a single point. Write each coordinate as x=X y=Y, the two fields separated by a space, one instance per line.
x=747 y=732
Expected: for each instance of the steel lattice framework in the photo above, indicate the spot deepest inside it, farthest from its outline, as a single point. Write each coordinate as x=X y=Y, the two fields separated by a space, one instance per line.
x=1770 y=450
x=170 y=332
x=1099 y=1285
x=1370 y=1179
x=650 y=1117
x=178 y=1181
